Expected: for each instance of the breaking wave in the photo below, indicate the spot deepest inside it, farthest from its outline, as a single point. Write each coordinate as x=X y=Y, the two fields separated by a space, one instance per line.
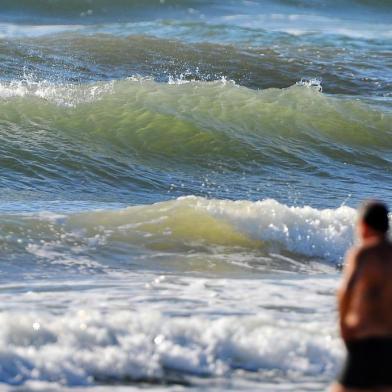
x=190 y=226
x=138 y=120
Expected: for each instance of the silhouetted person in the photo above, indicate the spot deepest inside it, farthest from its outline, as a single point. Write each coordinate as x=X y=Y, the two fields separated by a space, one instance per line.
x=365 y=306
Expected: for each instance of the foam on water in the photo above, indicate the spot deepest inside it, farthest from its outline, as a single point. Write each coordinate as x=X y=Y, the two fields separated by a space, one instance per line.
x=303 y=230
x=232 y=288
x=190 y=227
x=103 y=334
x=11 y=30
x=67 y=94
x=298 y=24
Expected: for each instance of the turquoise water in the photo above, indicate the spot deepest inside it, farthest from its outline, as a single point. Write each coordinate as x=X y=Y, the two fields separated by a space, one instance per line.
x=178 y=181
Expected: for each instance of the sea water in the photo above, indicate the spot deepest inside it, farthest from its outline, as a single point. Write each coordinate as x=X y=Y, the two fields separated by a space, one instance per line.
x=178 y=184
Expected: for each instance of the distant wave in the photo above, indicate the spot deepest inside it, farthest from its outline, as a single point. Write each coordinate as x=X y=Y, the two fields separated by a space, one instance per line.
x=187 y=123
x=254 y=58
x=335 y=3
x=108 y=7
x=87 y=10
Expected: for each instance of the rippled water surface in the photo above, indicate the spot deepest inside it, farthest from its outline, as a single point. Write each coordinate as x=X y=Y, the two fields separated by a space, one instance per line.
x=178 y=182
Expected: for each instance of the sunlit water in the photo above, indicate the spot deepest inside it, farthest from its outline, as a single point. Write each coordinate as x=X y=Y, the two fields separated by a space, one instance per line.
x=178 y=183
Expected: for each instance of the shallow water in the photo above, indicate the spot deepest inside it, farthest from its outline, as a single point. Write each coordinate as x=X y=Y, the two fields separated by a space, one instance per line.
x=178 y=182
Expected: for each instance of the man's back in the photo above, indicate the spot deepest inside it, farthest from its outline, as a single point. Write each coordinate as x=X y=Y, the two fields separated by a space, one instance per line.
x=369 y=308
x=365 y=306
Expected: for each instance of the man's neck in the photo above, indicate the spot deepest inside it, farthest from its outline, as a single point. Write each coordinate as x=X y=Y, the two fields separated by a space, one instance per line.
x=373 y=239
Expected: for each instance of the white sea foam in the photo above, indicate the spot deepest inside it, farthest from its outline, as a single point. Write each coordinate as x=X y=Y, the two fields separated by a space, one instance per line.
x=63 y=94
x=136 y=331
x=323 y=233
x=300 y=24
x=199 y=225
x=311 y=83
x=72 y=94
x=11 y=30
x=110 y=324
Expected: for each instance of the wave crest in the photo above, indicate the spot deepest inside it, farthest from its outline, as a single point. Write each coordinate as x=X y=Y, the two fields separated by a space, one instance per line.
x=193 y=227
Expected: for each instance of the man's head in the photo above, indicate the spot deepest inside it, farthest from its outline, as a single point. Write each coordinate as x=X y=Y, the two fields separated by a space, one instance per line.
x=373 y=219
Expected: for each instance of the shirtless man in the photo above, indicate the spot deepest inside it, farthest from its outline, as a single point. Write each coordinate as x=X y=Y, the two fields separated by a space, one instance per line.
x=365 y=306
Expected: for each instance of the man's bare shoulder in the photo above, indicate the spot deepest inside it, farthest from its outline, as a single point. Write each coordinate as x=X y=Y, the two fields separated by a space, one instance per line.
x=352 y=258
x=365 y=256
x=364 y=251
x=375 y=249
x=355 y=254
x=372 y=257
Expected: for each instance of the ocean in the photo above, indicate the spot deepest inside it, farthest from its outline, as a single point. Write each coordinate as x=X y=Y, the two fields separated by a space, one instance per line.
x=178 y=187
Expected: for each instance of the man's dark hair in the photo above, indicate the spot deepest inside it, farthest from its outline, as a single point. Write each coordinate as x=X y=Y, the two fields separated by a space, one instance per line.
x=375 y=214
